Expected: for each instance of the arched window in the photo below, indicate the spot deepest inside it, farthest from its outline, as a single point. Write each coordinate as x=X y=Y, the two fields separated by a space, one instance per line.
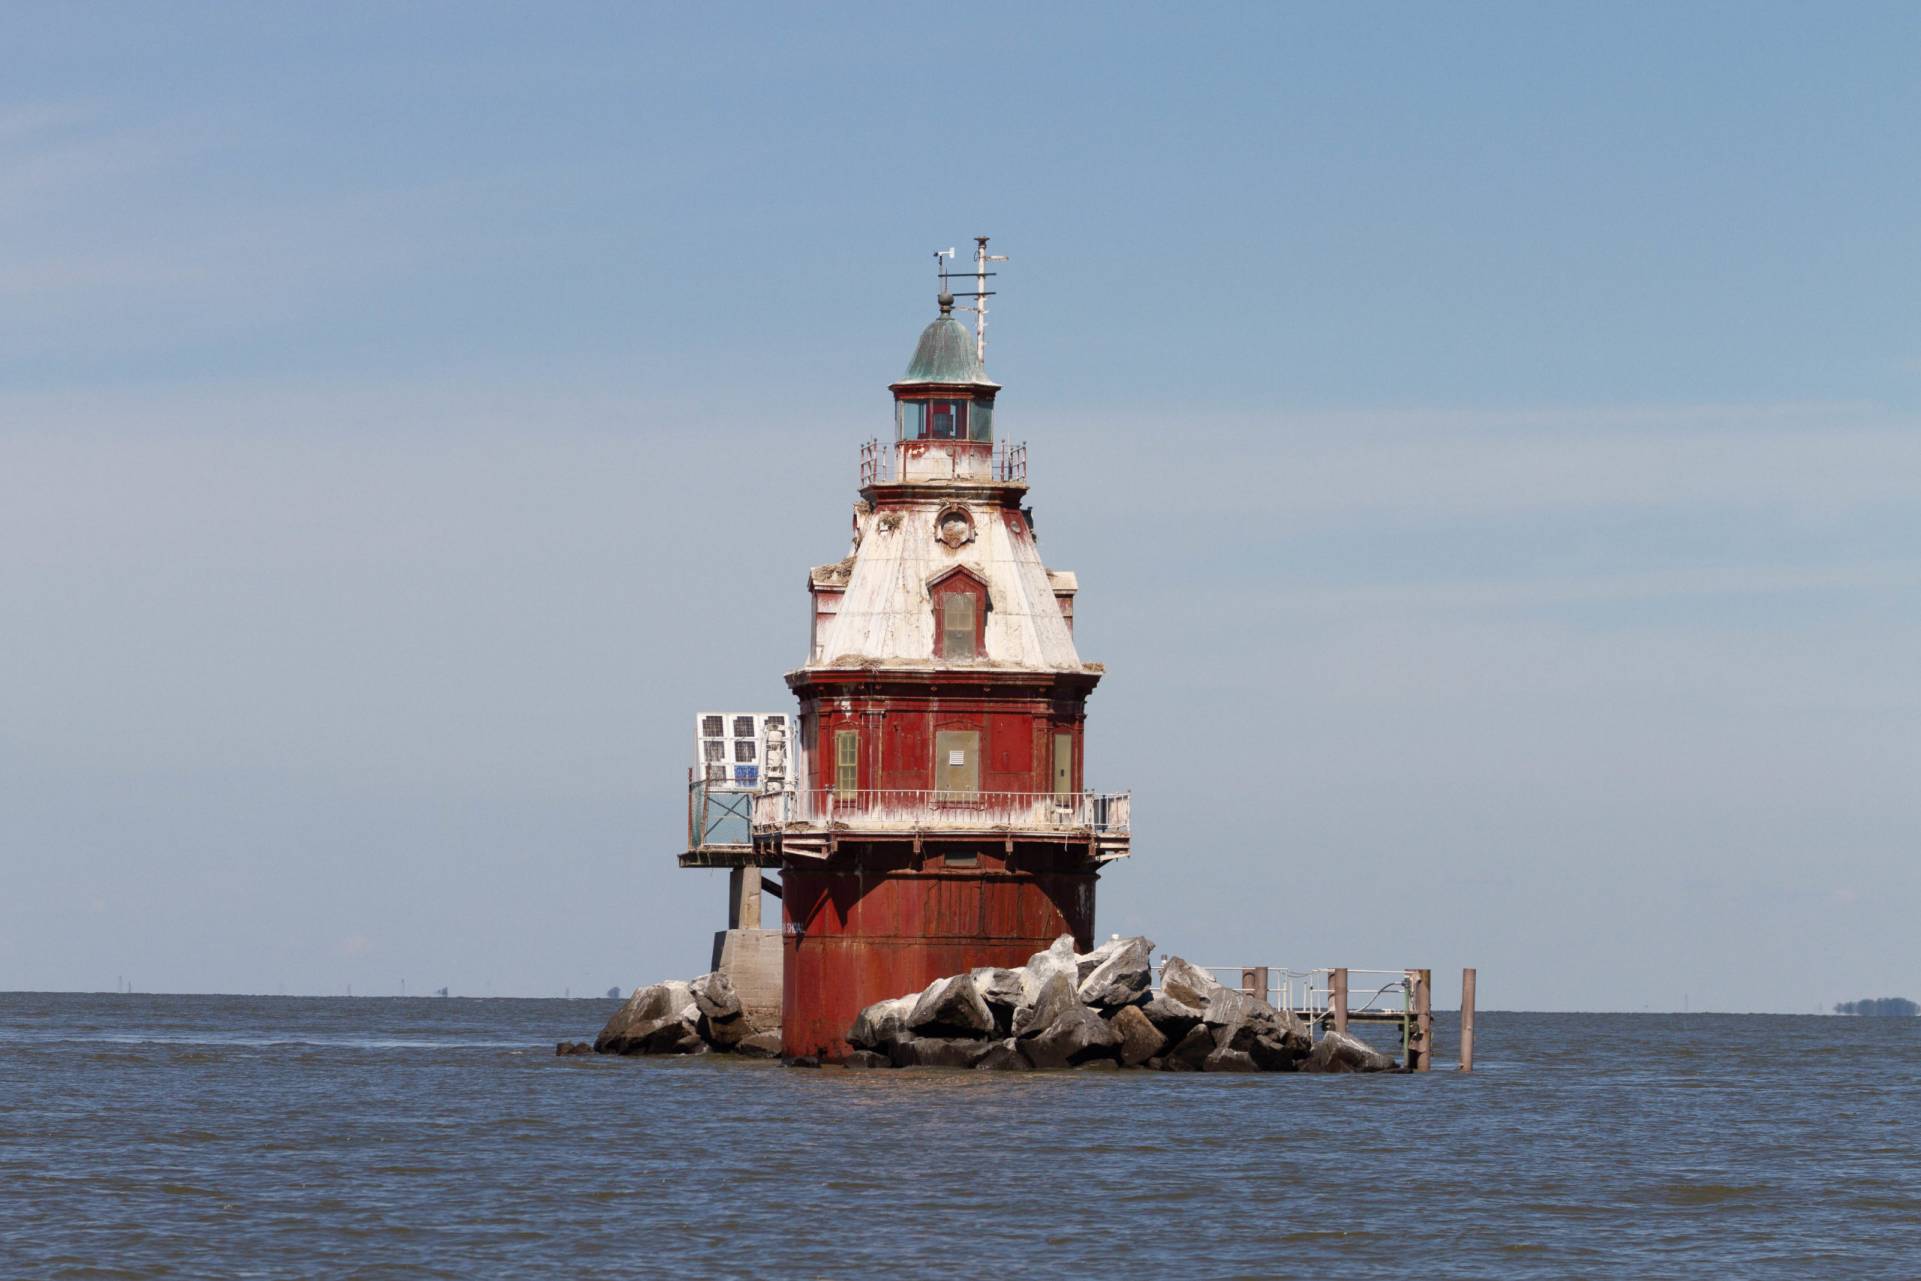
x=960 y=617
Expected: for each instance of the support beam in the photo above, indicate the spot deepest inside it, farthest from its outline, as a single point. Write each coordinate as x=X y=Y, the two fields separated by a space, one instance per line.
x=743 y=898
x=1467 y=1020
x=770 y=885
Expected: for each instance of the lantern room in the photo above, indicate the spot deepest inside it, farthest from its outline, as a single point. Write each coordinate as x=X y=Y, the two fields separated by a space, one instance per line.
x=944 y=406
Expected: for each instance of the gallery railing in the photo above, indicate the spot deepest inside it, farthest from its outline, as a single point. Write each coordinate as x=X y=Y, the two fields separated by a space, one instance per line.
x=1101 y=813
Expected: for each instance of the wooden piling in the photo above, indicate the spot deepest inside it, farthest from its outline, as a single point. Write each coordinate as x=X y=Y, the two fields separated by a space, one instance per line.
x=1337 y=998
x=1254 y=981
x=1421 y=1051
x=1467 y=1020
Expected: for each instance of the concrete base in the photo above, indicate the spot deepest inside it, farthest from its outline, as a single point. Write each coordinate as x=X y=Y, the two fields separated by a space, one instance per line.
x=751 y=960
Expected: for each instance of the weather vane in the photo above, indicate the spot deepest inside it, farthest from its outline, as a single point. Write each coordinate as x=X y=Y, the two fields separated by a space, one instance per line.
x=980 y=292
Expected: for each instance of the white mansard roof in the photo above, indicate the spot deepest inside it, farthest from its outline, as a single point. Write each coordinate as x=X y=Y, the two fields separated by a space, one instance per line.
x=886 y=616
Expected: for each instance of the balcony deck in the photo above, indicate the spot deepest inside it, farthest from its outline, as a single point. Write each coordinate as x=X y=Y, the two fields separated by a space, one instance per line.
x=807 y=824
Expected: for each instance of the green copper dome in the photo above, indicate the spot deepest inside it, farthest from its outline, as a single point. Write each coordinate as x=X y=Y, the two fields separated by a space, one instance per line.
x=945 y=353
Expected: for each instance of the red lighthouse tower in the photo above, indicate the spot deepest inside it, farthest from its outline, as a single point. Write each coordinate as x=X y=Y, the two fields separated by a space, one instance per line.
x=939 y=819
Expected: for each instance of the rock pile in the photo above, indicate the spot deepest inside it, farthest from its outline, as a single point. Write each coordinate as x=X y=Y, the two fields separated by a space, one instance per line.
x=1096 y=1009
x=678 y=1017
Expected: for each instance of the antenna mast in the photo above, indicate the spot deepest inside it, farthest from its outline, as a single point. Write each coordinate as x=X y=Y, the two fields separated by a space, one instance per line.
x=981 y=293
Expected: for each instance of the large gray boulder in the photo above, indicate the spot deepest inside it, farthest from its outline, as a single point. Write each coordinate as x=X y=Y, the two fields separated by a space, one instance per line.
x=1054 y=1002
x=1122 y=977
x=1003 y=991
x=662 y=1036
x=1228 y=1008
x=657 y=1019
x=714 y=994
x=1229 y=1061
x=1191 y=1051
x=1087 y=962
x=951 y=1007
x=881 y=1023
x=1263 y=1043
x=727 y=1035
x=998 y=986
x=1002 y=1056
x=1140 y=1039
x=1188 y=984
x=935 y=1051
x=1173 y=1018
x=1042 y=966
x=759 y=1045
x=1076 y=1036
x=1339 y=1052
x=723 y=1021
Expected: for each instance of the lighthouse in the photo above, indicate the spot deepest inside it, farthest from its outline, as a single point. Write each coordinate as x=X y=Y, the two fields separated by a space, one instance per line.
x=938 y=817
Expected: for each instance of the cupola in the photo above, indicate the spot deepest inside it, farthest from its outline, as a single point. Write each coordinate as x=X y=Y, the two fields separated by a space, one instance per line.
x=944 y=403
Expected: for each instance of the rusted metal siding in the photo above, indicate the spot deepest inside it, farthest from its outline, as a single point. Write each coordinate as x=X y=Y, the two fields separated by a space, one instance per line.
x=897 y=735
x=882 y=923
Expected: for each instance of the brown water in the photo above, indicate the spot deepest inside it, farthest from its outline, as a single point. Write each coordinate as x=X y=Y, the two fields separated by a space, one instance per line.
x=146 y=1136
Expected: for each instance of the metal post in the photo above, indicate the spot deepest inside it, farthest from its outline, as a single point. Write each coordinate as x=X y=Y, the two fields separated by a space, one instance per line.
x=1420 y=1051
x=1254 y=981
x=981 y=259
x=1337 y=998
x=1467 y=1020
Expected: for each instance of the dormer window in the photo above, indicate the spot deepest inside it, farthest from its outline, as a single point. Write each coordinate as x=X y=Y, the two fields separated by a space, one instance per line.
x=957 y=615
x=960 y=617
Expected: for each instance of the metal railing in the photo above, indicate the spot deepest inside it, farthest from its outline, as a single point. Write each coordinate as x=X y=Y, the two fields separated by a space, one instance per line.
x=879 y=464
x=876 y=463
x=1378 y=996
x=1311 y=993
x=718 y=815
x=928 y=810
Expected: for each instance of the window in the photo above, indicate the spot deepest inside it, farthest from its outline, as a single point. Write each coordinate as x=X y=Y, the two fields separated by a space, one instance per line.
x=957 y=762
x=980 y=420
x=957 y=625
x=960 y=616
x=947 y=419
x=1063 y=764
x=846 y=762
x=942 y=420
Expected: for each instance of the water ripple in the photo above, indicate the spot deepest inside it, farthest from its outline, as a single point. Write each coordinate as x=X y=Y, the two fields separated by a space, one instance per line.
x=242 y=1137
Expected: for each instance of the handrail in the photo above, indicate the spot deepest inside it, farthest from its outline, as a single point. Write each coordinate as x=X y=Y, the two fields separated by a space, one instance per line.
x=933 y=808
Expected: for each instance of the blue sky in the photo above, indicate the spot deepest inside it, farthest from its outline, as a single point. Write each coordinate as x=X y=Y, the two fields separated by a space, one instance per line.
x=1487 y=438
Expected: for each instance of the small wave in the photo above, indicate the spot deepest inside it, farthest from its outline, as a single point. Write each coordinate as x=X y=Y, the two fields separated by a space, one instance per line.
x=1900 y=1204
x=344 y=1042
x=1689 y=1194
x=1303 y=1236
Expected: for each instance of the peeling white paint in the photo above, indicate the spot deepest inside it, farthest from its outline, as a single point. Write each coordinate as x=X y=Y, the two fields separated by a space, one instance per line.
x=886 y=616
